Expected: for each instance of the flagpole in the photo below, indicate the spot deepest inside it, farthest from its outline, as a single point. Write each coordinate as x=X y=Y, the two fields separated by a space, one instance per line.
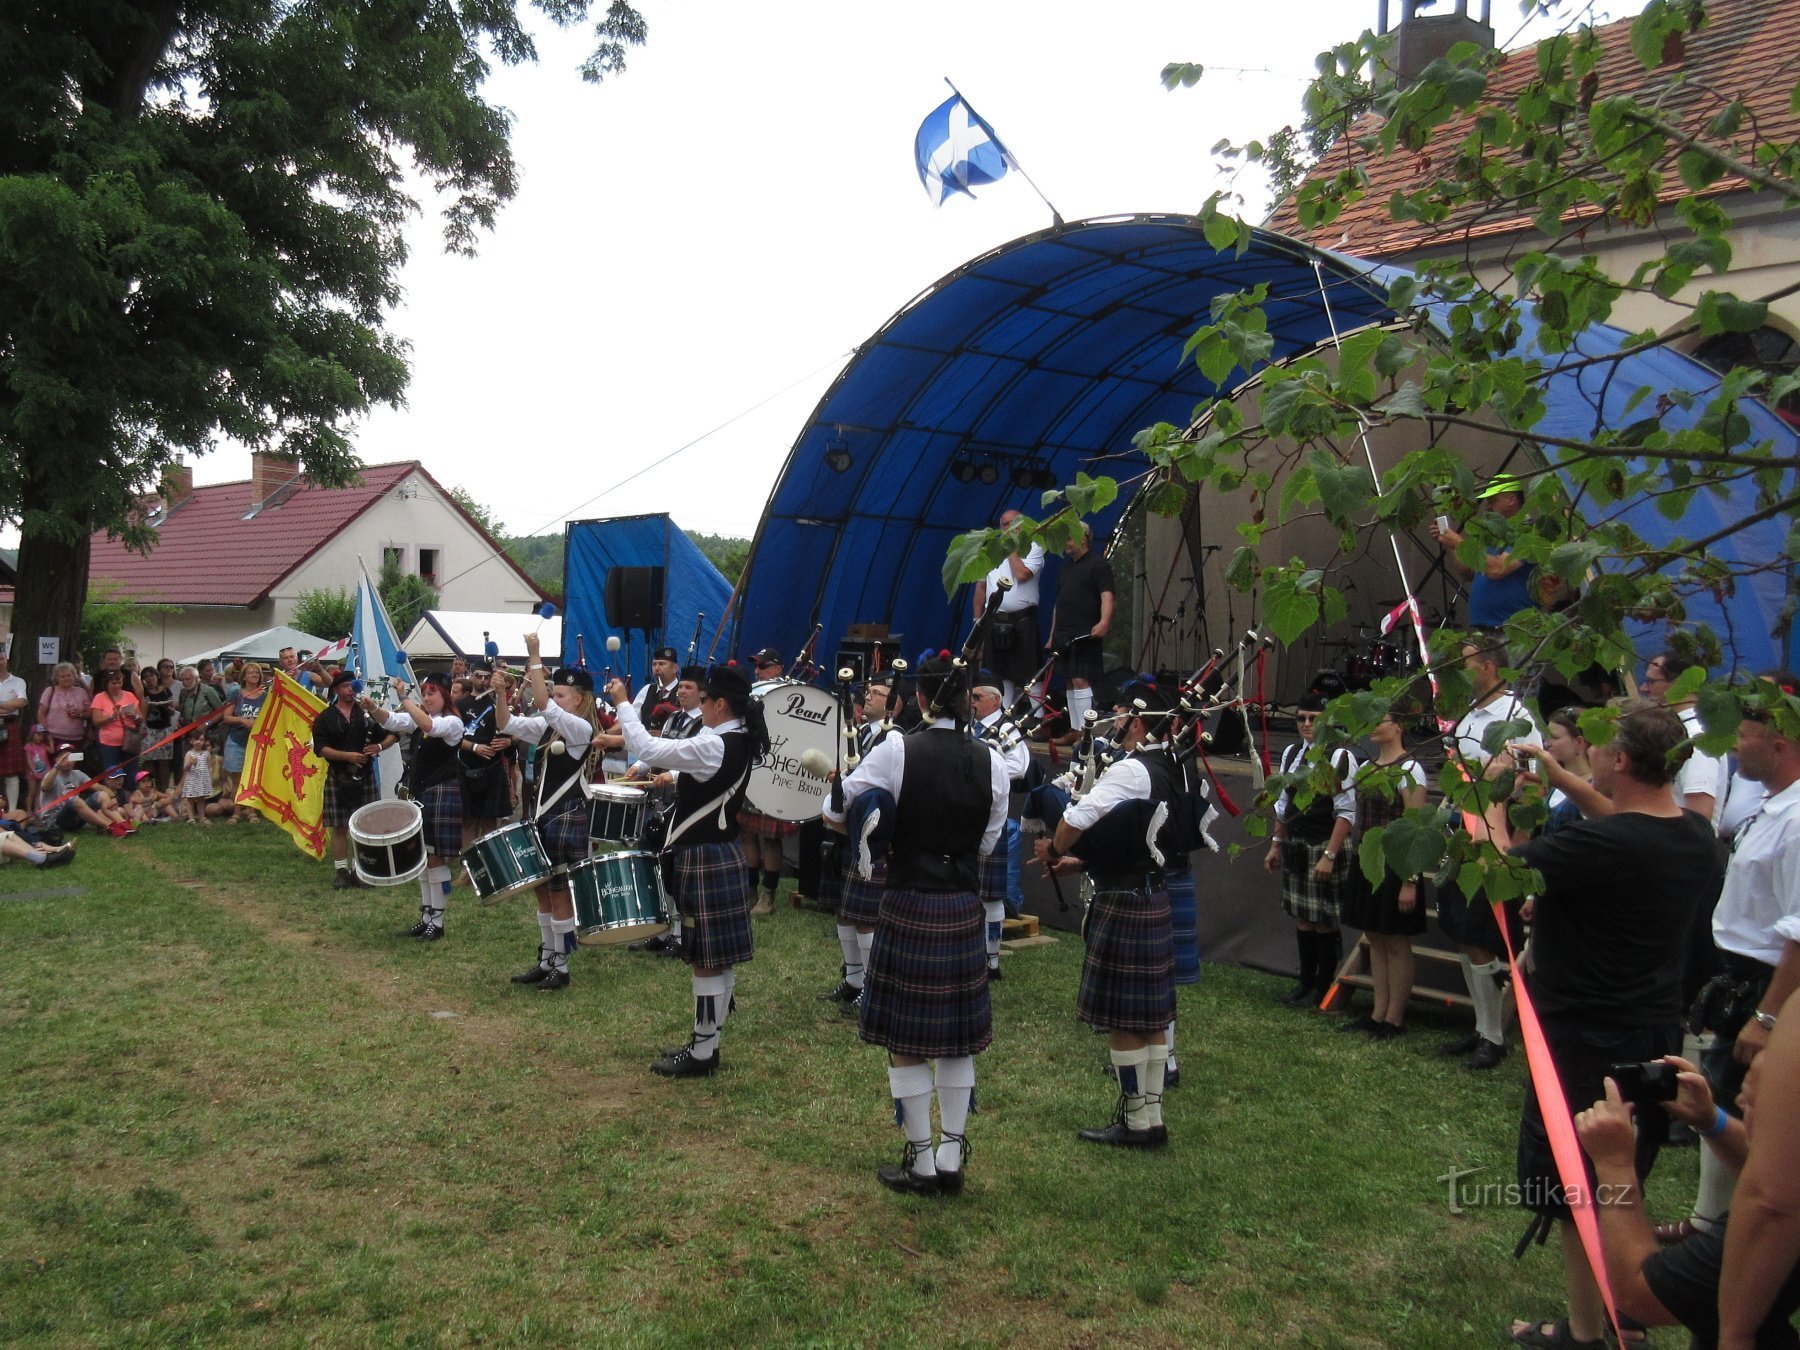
x=1012 y=159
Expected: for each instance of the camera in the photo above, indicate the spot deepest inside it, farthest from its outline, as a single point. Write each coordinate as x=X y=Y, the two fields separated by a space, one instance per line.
x=1643 y=1084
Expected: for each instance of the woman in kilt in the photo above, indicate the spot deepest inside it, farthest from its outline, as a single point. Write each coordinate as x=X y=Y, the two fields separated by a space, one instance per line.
x=563 y=728
x=1391 y=914
x=435 y=786
x=1308 y=850
x=711 y=878
x=1120 y=833
x=926 y=992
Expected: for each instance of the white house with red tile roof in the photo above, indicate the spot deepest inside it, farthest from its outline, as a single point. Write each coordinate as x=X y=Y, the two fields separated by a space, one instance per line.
x=233 y=558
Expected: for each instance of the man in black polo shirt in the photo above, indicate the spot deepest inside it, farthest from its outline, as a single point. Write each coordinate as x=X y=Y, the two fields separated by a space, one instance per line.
x=347 y=739
x=1609 y=934
x=1078 y=627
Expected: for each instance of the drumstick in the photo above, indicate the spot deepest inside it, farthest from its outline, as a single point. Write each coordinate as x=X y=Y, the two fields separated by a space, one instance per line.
x=612 y=645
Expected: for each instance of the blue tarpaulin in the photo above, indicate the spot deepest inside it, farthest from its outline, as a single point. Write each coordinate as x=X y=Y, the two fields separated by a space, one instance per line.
x=1045 y=357
x=692 y=587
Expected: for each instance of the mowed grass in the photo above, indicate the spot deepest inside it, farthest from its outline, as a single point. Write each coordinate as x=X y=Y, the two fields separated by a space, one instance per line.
x=238 y=1109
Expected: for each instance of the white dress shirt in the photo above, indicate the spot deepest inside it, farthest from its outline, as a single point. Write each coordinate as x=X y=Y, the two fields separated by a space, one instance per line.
x=1759 y=909
x=1017 y=757
x=700 y=754
x=884 y=767
x=1024 y=594
x=447 y=729
x=532 y=728
x=1473 y=726
x=1702 y=772
x=1343 y=801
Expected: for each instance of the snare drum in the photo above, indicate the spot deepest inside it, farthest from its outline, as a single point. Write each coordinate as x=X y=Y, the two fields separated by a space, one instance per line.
x=616 y=815
x=618 y=898
x=508 y=860
x=387 y=843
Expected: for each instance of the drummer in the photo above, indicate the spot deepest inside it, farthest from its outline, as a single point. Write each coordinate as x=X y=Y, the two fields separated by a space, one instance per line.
x=764 y=834
x=563 y=728
x=434 y=785
x=711 y=886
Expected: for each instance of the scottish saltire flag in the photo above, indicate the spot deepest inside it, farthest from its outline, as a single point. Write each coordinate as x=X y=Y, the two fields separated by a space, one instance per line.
x=956 y=150
x=378 y=655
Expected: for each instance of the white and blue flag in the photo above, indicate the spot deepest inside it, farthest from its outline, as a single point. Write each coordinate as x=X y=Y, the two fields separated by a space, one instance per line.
x=379 y=658
x=956 y=150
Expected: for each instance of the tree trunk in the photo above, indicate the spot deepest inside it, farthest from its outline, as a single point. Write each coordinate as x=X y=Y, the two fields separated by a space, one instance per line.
x=53 y=579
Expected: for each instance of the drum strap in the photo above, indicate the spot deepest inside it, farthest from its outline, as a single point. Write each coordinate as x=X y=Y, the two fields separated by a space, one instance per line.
x=681 y=826
x=544 y=808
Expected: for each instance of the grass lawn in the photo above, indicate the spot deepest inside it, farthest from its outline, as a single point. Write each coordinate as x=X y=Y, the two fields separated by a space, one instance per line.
x=238 y=1109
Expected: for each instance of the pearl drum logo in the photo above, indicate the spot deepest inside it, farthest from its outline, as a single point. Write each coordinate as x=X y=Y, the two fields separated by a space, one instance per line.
x=800 y=717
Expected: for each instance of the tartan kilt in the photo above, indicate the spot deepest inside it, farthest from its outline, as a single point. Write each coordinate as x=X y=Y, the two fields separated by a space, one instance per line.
x=1305 y=895
x=12 y=749
x=342 y=800
x=712 y=892
x=991 y=869
x=1128 y=970
x=755 y=822
x=926 y=992
x=442 y=806
x=860 y=901
x=565 y=833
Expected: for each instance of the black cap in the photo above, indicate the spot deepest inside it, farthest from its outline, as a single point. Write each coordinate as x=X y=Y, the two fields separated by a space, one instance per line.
x=343 y=677
x=1143 y=699
x=694 y=675
x=728 y=682
x=768 y=656
x=580 y=679
x=439 y=678
x=665 y=654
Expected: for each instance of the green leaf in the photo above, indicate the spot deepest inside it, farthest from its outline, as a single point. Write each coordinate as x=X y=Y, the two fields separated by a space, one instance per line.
x=1344 y=489
x=1167 y=499
x=1719 y=710
x=967 y=558
x=1406 y=401
x=1288 y=610
x=1222 y=231
x=1720 y=313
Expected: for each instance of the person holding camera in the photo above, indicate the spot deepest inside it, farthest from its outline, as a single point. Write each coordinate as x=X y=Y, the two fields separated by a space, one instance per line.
x=1735 y=1289
x=1609 y=932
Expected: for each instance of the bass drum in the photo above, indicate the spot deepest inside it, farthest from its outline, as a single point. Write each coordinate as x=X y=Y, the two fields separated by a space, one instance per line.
x=800 y=717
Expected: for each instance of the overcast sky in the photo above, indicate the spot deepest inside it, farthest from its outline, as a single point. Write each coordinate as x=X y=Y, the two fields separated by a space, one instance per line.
x=731 y=217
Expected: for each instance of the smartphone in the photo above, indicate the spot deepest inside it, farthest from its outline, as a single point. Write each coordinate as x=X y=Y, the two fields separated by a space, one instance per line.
x=1443 y=523
x=1642 y=1084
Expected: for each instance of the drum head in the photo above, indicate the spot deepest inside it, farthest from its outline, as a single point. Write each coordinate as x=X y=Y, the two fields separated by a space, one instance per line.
x=506 y=862
x=800 y=718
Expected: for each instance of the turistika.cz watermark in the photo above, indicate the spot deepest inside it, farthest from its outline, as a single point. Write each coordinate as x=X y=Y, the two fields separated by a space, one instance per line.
x=1536 y=1193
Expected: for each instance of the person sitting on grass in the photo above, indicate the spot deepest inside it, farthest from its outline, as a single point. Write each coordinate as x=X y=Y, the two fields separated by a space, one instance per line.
x=1740 y=1288
x=13 y=844
x=92 y=805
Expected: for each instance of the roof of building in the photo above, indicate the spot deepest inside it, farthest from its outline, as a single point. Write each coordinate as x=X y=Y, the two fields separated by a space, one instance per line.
x=213 y=549
x=1747 y=49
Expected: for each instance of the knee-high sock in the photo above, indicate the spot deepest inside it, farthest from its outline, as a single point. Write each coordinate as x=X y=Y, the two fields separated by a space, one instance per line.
x=1080 y=700
x=911 y=1088
x=437 y=894
x=1156 y=1063
x=711 y=994
x=428 y=897
x=771 y=881
x=864 y=943
x=1307 y=947
x=562 y=940
x=994 y=911
x=1330 y=957
x=1490 y=1007
x=1009 y=690
x=853 y=957
x=1713 y=1198
x=1015 y=896
x=1169 y=1044
x=547 y=942
x=730 y=978
x=955 y=1090
x=1130 y=1067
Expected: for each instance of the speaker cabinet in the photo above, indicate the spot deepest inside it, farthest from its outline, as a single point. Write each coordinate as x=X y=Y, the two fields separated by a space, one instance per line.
x=634 y=598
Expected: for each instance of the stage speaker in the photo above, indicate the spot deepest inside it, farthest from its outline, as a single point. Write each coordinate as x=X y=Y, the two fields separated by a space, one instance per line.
x=1231 y=734
x=634 y=597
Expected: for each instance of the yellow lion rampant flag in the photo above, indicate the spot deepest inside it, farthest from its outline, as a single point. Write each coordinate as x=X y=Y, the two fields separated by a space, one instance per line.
x=282 y=777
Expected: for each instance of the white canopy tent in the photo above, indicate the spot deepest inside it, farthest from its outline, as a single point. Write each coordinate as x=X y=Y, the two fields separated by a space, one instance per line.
x=442 y=635
x=263 y=646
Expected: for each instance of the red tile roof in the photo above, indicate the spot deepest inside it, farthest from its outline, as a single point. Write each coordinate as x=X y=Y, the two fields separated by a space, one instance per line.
x=1748 y=49
x=209 y=554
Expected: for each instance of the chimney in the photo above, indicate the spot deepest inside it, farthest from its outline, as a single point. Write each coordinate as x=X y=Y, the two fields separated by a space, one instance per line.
x=177 y=484
x=1419 y=39
x=268 y=472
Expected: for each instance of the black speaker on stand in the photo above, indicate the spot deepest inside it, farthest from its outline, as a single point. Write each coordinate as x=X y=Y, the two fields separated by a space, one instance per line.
x=634 y=598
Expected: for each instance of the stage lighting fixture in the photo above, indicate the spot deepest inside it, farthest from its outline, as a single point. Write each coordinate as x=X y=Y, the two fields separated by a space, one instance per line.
x=988 y=474
x=837 y=455
x=962 y=471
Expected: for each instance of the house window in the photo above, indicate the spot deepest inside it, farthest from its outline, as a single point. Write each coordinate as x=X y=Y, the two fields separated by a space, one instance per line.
x=393 y=555
x=1766 y=349
x=428 y=565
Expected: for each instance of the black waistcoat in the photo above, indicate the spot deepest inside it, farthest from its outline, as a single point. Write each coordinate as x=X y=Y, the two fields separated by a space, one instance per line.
x=719 y=825
x=1118 y=843
x=942 y=812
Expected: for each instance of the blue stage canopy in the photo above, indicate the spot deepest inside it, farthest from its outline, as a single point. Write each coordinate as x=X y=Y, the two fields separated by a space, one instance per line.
x=692 y=586
x=1045 y=357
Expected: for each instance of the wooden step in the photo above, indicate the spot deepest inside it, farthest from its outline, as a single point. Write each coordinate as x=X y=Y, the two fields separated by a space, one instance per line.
x=1026 y=925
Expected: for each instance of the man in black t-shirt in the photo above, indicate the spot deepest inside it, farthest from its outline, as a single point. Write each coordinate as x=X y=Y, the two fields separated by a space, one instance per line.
x=1078 y=627
x=1608 y=936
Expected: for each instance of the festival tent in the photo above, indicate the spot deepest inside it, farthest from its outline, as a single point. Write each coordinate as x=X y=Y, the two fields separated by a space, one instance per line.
x=1044 y=357
x=265 y=645
x=694 y=591
x=441 y=635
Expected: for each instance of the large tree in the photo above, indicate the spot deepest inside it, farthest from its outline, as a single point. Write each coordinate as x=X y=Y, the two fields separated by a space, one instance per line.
x=200 y=236
x=1575 y=147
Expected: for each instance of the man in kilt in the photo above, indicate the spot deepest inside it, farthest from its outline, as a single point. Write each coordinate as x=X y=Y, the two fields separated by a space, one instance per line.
x=347 y=739
x=711 y=878
x=1120 y=833
x=435 y=786
x=999 y=869
x=563 y=728
x=859 y=894
x=481 y=758
x=1308 y=850
x=926 y=993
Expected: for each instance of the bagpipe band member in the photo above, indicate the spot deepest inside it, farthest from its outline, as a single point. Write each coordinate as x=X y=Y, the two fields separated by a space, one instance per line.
x=481 y=758
x=347 y=739
x=926 y=993
x=683 y=723
x=1310 y=849
x=656 y=701
x=1119 y=833
x=563 y=730
x=711 y=879
x=1000 y=869
x=435 y=786
x=862 y=859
